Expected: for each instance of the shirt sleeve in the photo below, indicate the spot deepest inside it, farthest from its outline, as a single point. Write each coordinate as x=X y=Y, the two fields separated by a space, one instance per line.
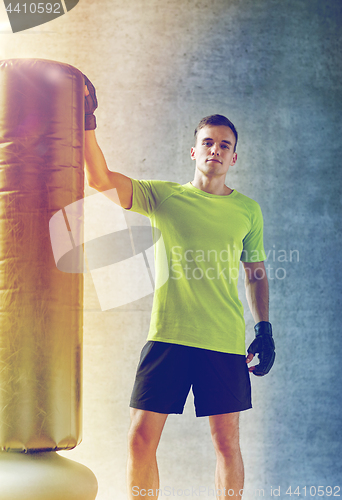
x=253 y=244
x=149 y=195
x=144 y=198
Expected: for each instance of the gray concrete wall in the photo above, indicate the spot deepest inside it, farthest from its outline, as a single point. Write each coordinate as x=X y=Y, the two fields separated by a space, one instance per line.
x=274 y=68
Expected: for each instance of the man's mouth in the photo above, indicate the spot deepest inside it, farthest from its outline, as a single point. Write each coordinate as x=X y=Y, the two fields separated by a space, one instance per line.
x=213 y=159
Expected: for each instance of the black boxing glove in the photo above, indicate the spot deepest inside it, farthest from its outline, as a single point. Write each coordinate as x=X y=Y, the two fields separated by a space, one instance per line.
x=263 y=344
x=90 y=104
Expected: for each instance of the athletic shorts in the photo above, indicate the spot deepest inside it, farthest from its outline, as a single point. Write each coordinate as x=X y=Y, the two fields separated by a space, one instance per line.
x=220 y=382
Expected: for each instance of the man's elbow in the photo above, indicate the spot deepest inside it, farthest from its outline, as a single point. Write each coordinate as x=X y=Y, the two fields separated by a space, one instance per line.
x=91 y=183
x=97 y=184
x=260 y=273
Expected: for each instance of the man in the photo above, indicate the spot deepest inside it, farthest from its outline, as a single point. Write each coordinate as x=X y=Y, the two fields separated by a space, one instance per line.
x=197 y=331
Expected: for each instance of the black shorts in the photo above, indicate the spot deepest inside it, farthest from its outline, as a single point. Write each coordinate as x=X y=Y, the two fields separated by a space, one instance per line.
x=220 y=381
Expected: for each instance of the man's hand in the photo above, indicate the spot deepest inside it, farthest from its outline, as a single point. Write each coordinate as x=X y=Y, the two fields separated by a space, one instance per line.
x=90 y=104
x=263 y=344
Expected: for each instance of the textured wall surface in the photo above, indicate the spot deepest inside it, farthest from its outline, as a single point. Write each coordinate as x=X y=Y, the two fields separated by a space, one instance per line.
x=274 y=68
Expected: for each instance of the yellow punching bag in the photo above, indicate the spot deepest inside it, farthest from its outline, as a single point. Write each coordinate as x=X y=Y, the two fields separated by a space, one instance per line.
x=41 y=307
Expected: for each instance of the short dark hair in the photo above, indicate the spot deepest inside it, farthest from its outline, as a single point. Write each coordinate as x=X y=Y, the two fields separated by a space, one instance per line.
x=217 y=120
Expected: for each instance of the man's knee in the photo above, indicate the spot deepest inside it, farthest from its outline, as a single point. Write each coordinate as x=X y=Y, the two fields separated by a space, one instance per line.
x=144 y=433
x=228 y=448
x=225 y=435
x=140 y=443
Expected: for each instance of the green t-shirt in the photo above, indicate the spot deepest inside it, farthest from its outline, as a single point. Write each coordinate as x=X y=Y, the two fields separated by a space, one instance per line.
x=205 y=237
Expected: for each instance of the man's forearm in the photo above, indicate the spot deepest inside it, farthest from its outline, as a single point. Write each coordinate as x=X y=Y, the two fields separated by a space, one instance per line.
x=258 y=297
x=95 y=163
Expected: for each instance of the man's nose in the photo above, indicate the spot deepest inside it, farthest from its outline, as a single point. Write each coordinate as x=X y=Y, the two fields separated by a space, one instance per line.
x=215 y=150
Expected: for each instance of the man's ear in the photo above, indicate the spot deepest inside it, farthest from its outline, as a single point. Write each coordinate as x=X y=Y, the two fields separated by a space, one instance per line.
x=234 y=159
x=192 y=153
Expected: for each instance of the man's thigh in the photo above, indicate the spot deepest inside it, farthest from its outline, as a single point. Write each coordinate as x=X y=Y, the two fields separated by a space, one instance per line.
x=163 y=378
x=221 y=383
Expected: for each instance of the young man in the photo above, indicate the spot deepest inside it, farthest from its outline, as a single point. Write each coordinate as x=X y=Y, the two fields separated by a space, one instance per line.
x=197 y=331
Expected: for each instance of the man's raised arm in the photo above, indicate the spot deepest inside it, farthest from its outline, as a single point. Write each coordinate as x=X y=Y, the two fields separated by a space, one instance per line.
x=98 y=175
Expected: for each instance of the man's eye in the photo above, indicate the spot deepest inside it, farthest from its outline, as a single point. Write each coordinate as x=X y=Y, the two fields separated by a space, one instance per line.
x=207 y=143
x=224 y=146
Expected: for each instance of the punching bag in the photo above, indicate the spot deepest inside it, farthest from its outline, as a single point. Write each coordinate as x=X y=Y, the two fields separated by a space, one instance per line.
x=41 y=307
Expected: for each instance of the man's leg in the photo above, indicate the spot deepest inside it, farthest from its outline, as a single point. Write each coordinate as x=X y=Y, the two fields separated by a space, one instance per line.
x=229 y=468
x=143 y=439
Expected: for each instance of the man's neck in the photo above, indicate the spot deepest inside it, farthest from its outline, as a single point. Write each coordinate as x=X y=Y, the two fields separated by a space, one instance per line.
x=212 y=186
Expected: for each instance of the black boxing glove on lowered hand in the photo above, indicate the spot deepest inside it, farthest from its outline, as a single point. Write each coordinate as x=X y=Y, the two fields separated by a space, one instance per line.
x=90 y=104
x=263 y=344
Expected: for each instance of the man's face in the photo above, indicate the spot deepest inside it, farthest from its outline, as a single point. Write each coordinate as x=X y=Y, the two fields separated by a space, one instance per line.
x=214 y=150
